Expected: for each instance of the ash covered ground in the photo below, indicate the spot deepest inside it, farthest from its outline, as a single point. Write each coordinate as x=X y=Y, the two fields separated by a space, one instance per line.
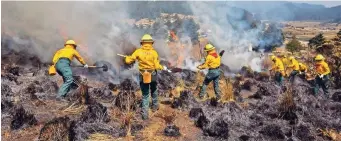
x=102 y=110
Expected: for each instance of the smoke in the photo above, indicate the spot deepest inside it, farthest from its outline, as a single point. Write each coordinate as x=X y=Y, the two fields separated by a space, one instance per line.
x=96 y=26
x=101 y=29
x=235 y=30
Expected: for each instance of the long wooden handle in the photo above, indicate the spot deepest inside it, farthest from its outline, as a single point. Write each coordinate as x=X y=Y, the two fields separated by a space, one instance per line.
x=88 y=66
x=122 y=55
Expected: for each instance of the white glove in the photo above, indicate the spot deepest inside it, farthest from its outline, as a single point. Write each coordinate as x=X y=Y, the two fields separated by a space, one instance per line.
x=86 y=66
x=166 y=69
x=321 y=76
x=300 y=72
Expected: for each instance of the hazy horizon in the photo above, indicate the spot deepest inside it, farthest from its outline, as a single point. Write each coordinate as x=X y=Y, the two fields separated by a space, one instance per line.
x=325 y=3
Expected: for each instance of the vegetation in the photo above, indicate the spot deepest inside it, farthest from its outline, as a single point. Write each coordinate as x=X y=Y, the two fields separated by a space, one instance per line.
x=316 y=41
x=294 y=45
x=338 y=36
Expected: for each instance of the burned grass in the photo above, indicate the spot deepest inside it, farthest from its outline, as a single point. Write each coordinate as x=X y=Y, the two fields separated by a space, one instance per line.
x=269 y=114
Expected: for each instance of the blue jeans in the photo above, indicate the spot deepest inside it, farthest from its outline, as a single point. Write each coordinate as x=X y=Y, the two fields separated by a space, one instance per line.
x=63 y=69
x=212 y=75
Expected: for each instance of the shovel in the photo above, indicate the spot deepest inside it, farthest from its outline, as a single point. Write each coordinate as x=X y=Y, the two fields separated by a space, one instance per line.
x=105 y=67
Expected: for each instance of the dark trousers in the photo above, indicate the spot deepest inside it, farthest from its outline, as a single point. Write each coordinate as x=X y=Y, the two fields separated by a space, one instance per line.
x=212 y=75
x=279 y=78
x=292 y=75
x=321 y=82
x=146 y=88
x=63 y=69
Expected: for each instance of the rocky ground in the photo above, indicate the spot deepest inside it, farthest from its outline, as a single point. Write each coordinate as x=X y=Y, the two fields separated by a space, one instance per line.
x=253 y=108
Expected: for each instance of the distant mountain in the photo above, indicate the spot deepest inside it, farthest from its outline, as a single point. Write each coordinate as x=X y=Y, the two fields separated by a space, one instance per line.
x=291 y=11
x=264 y=10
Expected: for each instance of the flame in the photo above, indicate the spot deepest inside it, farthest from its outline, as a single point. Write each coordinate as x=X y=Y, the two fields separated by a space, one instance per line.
x=174 y=37
x=78 y=39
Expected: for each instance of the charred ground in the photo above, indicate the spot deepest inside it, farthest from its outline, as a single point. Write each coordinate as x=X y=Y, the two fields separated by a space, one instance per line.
x=101 y=110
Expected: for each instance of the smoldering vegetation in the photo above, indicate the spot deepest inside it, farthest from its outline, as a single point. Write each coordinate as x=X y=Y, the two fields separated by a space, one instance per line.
x=271 y=112
x=28 y=99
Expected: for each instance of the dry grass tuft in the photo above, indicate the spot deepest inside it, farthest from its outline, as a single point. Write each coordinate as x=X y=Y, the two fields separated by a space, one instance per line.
x=128 y=114
x=331 y=134
x=287 y=103
x=226 y=88
x=168 y=115
x=100 y=137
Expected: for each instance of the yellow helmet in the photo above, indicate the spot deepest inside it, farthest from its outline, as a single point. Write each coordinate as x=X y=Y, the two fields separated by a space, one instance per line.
x=71 y=42
x=147 y=38
x=291 y=58
x=209 y=47
x=319 y=57
x=273 y=57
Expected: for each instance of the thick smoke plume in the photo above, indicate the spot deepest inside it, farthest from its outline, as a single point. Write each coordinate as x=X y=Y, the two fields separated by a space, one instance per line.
x=101 y=28
x=236 y=31
x=96 y=27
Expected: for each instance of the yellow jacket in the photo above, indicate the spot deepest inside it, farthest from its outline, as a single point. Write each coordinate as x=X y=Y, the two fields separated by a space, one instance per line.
x=67 y=52
x=303 y=67
x=212 y=61
x=147 y=57
x=322 y=68
x=294 y=65
x=285 y=61
x=277 y=66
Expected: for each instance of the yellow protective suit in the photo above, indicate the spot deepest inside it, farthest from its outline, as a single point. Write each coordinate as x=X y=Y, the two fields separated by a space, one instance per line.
x=302 y=67
x=294 y=65
x=212 y=61
x=322 y=68
x=278 y=66
x=147 y=57
x=67 y=52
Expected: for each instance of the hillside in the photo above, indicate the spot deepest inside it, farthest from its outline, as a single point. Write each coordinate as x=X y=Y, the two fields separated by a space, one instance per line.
x=264 y=10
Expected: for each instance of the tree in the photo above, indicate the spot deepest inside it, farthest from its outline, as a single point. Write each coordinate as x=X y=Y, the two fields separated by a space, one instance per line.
x=294 y=45
x=316 y=41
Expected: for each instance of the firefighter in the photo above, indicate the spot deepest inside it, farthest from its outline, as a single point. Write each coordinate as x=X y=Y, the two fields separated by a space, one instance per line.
x=148 y=60
x=303 y=70
x=278 y=68
x=295 y=68
x=62 y=60
x=285 y=62
x=322 y=78
x=212 y=63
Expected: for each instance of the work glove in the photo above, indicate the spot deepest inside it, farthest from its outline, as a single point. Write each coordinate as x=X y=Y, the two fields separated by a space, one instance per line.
x=321 y=76
x=86 y=66
x=199 y=67
x=300 y=72
x=166 y=69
